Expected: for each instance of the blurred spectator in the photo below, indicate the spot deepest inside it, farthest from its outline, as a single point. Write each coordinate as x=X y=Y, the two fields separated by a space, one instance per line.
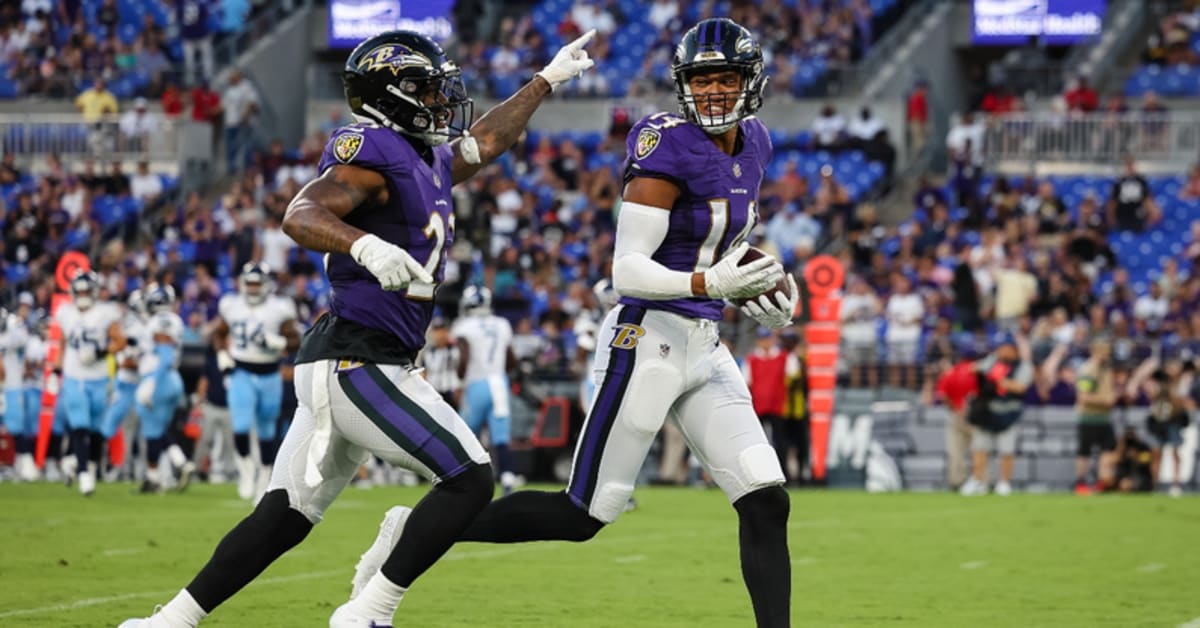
x=864 y=128
x=1080 y=96
x=1151 y=309
x=1191 y=189
x=1096 y=396
x=588 y=15
x=1131 y=207
x=1134 y=468
x=917 y=115
x=905 y=311
x=137 y=126
x=662 y=12
x=964 y=142
x=1016 y=288
x=241 y=110
x=206 y=104
x=1004 y=377
x=95 y=102
x=172 y=101
x=860 y=313
x=145 y=185
x=275 y=243
x=192 y=17
x=828 y=129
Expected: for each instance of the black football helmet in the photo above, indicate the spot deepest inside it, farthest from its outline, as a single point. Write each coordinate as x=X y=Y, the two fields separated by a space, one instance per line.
x=403 y=81
x=719 y=44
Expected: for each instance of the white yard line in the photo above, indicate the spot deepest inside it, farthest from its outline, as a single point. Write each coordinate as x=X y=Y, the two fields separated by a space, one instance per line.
x=1195 y=623
x=1151 y=567
x=974 y=564
x=97 y=601
x=803 y=560
x=123 y=551
x=624 y=560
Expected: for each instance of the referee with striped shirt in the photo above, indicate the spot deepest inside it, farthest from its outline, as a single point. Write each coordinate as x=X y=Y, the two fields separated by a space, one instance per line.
x=440 y=360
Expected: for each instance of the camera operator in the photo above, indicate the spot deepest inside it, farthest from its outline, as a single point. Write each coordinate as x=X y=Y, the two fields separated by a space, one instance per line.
x=1168 y=387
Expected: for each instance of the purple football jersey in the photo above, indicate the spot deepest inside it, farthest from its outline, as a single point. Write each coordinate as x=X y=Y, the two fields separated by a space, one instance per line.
x=719 y=204
x=418 y=217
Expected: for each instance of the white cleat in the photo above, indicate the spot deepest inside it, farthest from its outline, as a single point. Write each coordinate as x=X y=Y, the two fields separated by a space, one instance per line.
x=1175 y=491
x=26 y=468
x=87 y=483
x=154 y=621
x=53 y=474
x=372 y=560
x=344 y=617
x=1003 y=489
x=185 y=476
x=246 y=477
x=973 y=487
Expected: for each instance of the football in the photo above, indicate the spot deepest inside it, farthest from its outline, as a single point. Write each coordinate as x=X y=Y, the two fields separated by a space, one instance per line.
x=782 y=285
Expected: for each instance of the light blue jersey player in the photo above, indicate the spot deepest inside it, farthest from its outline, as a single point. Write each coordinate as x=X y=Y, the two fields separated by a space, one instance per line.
x=14 y=338
x=35 y=366
x=256 y=329
x=133 y=324
x=485 y=353
x=91 y=330
x=160 y=390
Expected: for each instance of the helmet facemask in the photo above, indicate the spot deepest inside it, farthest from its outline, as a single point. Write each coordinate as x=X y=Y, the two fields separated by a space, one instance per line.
x=433 y=110
x=692 y=106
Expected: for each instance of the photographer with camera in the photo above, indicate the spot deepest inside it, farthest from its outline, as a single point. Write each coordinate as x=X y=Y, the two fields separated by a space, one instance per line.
x=1168 y=385
x=994 y=412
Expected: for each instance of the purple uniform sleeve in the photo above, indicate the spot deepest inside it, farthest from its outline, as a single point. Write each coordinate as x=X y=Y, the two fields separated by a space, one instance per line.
x=756 y=133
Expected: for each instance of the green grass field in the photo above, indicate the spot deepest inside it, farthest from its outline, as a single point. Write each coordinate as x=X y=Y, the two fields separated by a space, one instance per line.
x=859 y=560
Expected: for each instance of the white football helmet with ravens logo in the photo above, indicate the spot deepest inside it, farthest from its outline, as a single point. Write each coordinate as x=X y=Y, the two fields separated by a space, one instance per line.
x=403 y=81
x=718 y=44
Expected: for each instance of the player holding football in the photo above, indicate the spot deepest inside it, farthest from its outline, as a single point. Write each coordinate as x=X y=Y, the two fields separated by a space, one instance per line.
x=91 y=330
x=255 y=328
x=485 y=353
x=691 y=188
x=382 y=209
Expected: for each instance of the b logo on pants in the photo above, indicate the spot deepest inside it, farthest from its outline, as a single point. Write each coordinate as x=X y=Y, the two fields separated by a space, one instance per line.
x=627 y=336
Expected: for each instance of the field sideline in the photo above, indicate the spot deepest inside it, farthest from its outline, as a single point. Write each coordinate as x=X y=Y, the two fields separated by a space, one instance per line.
x=860 y=560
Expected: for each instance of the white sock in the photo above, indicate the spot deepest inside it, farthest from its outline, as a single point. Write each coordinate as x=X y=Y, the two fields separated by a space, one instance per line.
x=175 y=455
x=183 y=610
x=152 y=474
x=379 y=599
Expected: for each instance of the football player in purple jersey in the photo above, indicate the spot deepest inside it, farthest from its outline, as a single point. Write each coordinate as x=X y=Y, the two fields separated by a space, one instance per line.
x=690 y=199
x=382 y=211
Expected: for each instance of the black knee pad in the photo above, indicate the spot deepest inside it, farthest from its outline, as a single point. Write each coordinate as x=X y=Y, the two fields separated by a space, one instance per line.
x=769 y=505
x=474 y=481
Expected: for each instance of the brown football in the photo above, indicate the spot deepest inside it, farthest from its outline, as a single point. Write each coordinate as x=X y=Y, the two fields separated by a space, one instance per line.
x=782 y=285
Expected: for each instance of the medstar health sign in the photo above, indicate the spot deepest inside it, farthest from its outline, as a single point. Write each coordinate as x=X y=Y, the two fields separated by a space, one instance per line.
x=1013 y=22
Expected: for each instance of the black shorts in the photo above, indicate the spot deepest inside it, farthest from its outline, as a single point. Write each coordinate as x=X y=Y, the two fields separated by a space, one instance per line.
x=1092 y=435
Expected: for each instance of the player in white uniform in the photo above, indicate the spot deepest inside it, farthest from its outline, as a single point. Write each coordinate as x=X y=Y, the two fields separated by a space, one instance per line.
x=256 y=329
x=14 y=338
x=133 y=325
x=485 y=355
x=35 y=363
x=91 y=330
x=160 y=390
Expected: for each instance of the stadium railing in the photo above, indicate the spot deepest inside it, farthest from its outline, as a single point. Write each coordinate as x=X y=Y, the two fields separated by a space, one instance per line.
x=1014 y=141
x=33 y=136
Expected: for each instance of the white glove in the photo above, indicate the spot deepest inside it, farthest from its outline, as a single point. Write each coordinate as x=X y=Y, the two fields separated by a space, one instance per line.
x=275 y=342
x=776 y=313
x=87 y=355
x=570 y=61
x=145 y=392
x=225 y=362
x=727 y=280
x=391 y=265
